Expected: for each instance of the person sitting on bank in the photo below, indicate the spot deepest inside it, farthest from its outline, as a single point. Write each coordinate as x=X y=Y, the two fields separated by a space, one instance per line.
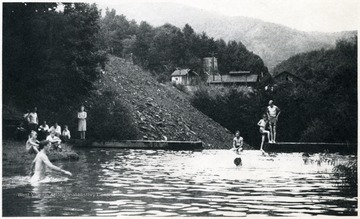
x=238 y=142
x=21 y=132
x=54 y=140
x=65 y=135
x=41 y=161
x=56 y=128
x=262 y=123
x=32 y=144
x=43 y=130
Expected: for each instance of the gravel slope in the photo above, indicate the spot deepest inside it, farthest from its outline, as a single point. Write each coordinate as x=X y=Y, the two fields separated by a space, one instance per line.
x=160 y=111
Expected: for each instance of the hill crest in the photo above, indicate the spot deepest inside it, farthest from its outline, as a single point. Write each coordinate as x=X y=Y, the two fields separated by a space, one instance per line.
x=272 y=42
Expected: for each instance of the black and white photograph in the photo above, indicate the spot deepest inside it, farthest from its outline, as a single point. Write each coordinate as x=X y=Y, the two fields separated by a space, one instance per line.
x=180 y=108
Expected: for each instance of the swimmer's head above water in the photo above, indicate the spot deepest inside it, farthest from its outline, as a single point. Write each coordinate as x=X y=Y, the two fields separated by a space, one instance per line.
x=238 y=161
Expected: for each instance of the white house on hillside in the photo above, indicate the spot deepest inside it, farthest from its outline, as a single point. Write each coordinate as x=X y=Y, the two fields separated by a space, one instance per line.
x=184 y=77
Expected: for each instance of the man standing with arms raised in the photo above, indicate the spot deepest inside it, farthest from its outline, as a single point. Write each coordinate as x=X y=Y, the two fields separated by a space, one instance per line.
x=273 y=113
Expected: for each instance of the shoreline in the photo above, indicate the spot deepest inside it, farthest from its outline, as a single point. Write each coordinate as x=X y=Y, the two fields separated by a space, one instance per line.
x=16 y=161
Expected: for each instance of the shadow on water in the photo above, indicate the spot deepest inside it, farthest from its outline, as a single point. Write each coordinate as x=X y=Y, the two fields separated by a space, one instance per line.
x=184 y=183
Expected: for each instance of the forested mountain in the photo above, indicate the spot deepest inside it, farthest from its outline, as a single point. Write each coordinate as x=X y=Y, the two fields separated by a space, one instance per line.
x=272 y=42
x=161 y=49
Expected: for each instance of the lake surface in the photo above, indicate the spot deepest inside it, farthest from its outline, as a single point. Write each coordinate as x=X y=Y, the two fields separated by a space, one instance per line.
x=115 y=182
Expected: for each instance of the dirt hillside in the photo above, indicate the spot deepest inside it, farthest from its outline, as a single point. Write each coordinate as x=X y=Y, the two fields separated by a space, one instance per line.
x=160 y=111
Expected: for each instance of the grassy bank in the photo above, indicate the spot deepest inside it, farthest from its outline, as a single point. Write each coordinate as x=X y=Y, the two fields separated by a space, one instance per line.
x=16 y=161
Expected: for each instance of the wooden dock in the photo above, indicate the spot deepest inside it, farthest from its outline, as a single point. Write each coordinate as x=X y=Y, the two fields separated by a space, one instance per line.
x=141 y=144
x=313 y=147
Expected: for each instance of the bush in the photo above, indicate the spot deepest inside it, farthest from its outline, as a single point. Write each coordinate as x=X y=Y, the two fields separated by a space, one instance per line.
x=348 y=174
x=180 y=87
x=109 y=119
x=317 y=131
x=235 y=108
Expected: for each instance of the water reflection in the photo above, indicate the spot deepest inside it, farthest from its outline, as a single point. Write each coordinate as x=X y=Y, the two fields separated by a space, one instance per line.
x=186 y=183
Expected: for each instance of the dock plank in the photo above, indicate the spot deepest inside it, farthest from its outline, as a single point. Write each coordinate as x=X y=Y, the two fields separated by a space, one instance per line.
x=142 y=144
x=349 y=148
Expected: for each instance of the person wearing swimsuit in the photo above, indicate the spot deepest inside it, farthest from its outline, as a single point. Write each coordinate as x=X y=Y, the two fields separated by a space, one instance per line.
x=238 y=142
x=273 y=113
x=262 y=123
x=41 y=161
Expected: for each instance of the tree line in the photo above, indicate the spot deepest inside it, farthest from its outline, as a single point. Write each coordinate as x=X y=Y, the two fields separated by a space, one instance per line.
x=322 y=109
x=162 y=49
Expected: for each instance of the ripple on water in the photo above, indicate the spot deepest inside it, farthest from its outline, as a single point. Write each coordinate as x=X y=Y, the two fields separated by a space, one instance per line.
x=228 y=213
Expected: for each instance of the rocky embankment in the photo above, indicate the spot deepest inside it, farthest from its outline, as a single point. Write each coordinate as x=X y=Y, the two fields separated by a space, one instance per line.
x=160 y=111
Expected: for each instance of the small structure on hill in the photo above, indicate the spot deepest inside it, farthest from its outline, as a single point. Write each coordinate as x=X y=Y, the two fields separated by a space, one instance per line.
x=185 y=77
x=241 y=78
x=210 y=66
x=286 y=76
x=11 y=119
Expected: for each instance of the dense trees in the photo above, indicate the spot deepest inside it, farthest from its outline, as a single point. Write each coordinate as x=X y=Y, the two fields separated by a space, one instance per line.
x=50 y=57
x=323 y=109
x=162 y=49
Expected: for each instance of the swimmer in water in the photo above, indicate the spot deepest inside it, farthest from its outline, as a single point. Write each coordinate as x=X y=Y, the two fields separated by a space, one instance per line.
x=41 y=161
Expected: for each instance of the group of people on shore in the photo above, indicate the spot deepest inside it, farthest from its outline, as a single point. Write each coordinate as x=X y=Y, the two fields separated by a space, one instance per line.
x=51 y=139
x=42 y=132
x=269 y=118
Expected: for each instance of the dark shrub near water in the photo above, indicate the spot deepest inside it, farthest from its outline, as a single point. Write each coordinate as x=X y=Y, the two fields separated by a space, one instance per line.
x=109 y=118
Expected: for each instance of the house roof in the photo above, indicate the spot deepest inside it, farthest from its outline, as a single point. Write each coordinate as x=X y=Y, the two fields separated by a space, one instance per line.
x=11 y=113
x=239 y=72
x=182 y=72
x=251 y=78
x=288 y=73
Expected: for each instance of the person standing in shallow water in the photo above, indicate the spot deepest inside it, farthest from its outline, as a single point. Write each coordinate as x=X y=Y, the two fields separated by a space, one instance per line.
x=82 y=115
x=41 y=161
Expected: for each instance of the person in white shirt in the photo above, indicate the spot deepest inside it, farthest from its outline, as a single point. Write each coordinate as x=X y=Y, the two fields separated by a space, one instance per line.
x=56 y=128
x=54 y=140
x=43 y=130
x=65 y=135
x=273 y=113
x=238 y=142
x=33 y=120
x=262 y=123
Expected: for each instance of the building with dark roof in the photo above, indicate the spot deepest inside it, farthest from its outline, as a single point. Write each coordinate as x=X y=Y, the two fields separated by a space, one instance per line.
x=241 y=78
x=285 y=77
x=184 y=77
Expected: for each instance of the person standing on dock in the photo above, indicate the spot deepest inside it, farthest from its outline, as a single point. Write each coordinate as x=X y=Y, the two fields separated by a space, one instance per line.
x=262 y=123
x=238 y=142
x=82 y=122
x=273 y=113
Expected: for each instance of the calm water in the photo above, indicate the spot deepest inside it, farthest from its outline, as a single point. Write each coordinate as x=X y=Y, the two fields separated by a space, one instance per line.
x=182 y=183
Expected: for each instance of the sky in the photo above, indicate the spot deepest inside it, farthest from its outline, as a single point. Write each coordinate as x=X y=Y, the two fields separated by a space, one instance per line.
x=306 y=15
